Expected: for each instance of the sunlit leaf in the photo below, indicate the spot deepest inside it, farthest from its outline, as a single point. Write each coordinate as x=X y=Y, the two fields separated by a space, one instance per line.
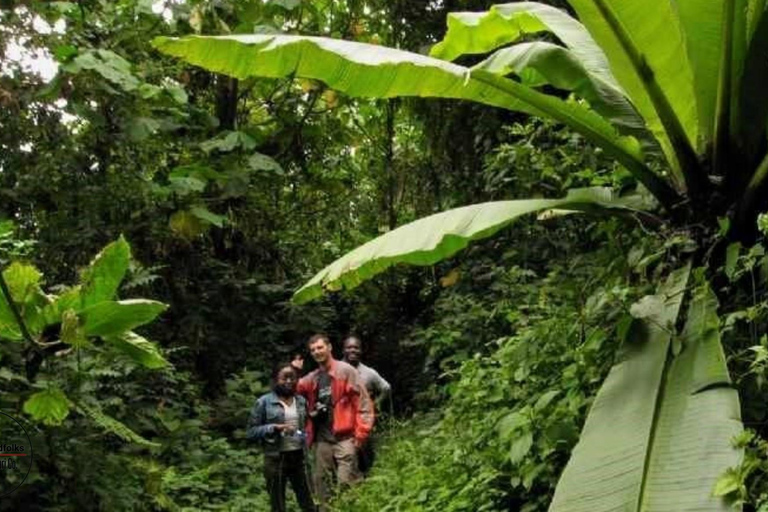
x=437 y=237
x=111 y=318
x=50 y=407
x=72 y=332
x=139 y=349
x=367 y=70
x=101 y=279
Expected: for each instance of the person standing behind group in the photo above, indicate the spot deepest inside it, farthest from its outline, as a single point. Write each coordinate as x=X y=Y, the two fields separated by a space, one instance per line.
x=278 y=420
x=376 y=385
x=341 y=415
x=297 y=361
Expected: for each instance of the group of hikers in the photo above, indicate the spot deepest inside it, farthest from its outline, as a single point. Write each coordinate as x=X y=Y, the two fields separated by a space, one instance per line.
x=330 y=410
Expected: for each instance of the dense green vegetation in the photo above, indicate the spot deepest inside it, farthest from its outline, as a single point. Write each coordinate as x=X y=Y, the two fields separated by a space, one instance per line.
x=142 y=192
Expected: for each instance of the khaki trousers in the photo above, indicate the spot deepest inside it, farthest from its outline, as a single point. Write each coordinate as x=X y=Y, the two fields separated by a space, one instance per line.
x=334 y=459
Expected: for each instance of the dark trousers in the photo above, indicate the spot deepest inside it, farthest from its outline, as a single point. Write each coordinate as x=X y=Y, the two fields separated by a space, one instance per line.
x=287 y=466
x=365 y=456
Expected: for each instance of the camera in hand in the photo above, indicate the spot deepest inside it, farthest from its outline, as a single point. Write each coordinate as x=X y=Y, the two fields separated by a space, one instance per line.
x=320 y=411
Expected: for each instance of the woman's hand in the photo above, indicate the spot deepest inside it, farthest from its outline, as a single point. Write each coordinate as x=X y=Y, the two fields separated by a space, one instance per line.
x=285 y=428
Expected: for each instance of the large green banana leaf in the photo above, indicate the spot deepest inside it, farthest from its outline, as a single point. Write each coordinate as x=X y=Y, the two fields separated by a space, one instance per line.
x=701 y=22
x=539 y=63
x=658 y=435
x=752 y=110
x=638 y=33
x=434 y=238
x=482 y=32
x=755 y=10
x=367 y=70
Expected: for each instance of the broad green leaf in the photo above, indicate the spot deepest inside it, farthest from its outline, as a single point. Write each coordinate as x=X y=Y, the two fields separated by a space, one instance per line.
x=186 y=225
x=732 y=259
x=101 y=279
x=647 y=307
x=727 y=483
x=177 y=92
x=9 y=328
x=482 y=32
x=141 y=128
x=72 y=332
x=701 y=24
x=520 y=447
x=50 y=407
x=261 y=162
x=111 y=318
x=228 y=141
x=434 y=238
x=545 y=399
x=286 y=4
x=658 y=435
x=23 y=282
x=149 y=91
x=511 y=422
x=139 y=349
x=204 y=214
x=184 y=185
x=658 y=42
x=367 y=70
x=108 y=64
x=52 y=313
x=543 y=63
x=112 y=425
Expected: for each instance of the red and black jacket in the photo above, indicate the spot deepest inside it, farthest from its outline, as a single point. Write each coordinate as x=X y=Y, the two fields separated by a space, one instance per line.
x=353 y=413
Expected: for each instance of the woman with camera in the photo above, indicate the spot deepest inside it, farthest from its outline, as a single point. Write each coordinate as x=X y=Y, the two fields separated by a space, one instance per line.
x=278 y=420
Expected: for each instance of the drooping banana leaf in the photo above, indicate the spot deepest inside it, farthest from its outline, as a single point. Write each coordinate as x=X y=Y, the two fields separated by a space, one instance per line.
x=483 y=32
x=434 y=238
x=539 y=63
x=658 y=435
x=366 y=70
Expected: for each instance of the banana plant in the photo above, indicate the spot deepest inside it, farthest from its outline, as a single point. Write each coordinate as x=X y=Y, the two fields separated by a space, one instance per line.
x=676 y=81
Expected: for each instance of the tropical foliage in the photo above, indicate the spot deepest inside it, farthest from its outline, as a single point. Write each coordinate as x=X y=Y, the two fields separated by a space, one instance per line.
x=551 y=173
x=639 y=83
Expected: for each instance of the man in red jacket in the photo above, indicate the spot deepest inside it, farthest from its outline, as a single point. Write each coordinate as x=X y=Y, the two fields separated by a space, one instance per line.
x=342 y=417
